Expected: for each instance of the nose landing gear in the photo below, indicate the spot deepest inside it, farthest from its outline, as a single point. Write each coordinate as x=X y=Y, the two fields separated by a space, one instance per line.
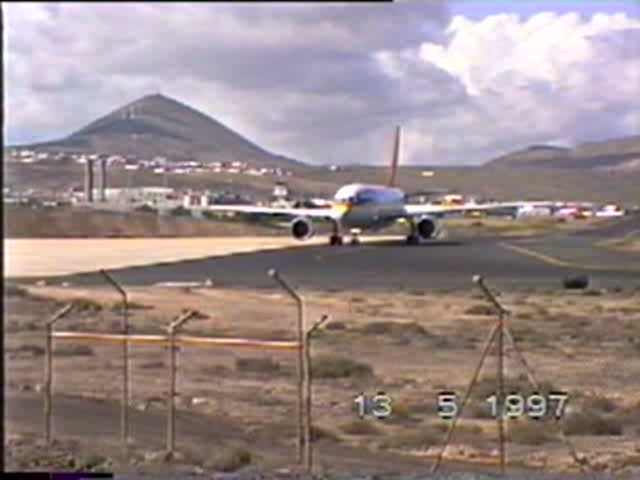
x=336 y=237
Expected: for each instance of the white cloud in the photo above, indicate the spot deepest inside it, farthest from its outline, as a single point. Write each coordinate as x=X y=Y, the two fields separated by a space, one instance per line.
x=328 y=82
x=547 y=77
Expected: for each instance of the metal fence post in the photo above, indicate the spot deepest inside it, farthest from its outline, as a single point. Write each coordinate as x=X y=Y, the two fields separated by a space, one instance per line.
x=497 y=331
x=48 y=403
x=308 y=450
x=300 y=363
x=465 y=399
x=171 y=412
x=124 y=413
x=500 y=368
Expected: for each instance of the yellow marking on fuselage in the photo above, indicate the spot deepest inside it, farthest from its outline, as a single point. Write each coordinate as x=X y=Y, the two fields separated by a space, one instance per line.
x=341 y=208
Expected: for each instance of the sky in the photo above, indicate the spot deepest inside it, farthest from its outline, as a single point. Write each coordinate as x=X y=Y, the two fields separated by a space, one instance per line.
x=326 y=83
x=481 y=8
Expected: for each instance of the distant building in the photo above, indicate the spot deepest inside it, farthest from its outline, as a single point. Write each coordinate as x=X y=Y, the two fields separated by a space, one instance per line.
x=156 y=190
x=453 y=199
x=207 y=199
x=280 y=190
x=611 y=211
x=534 y=211
x=115 y=160
x=191 y=200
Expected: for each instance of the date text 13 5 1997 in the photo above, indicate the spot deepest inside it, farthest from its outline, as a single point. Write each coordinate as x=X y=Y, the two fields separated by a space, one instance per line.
x=535 y=405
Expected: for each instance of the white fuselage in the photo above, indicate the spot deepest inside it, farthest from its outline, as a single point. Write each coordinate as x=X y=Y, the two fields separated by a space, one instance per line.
x=368 y=207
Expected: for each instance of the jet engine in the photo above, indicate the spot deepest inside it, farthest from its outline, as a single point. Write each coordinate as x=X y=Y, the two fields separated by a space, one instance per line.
x=427 y=227
x=302 y=228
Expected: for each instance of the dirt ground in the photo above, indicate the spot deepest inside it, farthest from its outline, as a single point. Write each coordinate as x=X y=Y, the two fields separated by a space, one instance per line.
x=411 y=346
x=522 y=227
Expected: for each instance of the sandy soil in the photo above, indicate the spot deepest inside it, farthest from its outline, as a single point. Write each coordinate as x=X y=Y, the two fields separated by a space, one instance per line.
x=632 y=246
x=415 y=345
x=60 y=256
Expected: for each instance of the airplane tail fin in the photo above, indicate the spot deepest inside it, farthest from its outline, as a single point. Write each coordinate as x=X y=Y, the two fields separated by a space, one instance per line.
x=394 y=158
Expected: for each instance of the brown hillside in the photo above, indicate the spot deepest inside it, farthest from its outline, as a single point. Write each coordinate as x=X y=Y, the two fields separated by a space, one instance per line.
x=156 y=125
x=24 y=222
x=618 y=153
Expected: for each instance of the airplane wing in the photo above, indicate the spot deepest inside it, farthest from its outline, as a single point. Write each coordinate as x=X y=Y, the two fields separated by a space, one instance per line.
x=327 y=213
x=428 y=192
x=426 y=209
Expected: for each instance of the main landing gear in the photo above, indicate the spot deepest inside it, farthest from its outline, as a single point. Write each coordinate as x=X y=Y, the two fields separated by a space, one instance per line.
x=413 y=238
x=336 y=237
x=339 y=240
x=335 y=240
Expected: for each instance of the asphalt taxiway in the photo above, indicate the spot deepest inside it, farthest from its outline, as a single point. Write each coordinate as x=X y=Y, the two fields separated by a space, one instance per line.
x=391 y=265
x=584 y=248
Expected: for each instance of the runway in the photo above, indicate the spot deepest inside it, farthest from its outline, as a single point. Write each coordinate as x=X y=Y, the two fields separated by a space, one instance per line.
x=375 y=266
x=582 y=247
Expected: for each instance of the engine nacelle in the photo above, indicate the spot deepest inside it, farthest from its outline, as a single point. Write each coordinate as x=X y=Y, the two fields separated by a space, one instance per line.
x=427 y=227
x=302 y=228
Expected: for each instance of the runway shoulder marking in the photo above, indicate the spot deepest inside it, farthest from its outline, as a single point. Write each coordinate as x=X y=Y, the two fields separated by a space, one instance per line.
x=532 y=253
x=562 y=263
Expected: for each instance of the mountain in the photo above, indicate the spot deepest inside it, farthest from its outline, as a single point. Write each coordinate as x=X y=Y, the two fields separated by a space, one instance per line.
x=616 y=154
x=156 y=125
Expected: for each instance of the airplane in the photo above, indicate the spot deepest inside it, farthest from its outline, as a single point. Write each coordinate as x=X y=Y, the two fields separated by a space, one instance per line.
x=361 y=207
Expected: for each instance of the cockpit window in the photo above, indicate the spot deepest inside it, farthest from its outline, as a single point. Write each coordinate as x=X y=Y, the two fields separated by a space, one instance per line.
x=364 y=197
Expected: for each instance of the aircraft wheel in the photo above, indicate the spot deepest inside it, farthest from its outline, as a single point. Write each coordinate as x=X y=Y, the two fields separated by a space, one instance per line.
x=335 y=240
x=413 y=239
x=355 y=240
